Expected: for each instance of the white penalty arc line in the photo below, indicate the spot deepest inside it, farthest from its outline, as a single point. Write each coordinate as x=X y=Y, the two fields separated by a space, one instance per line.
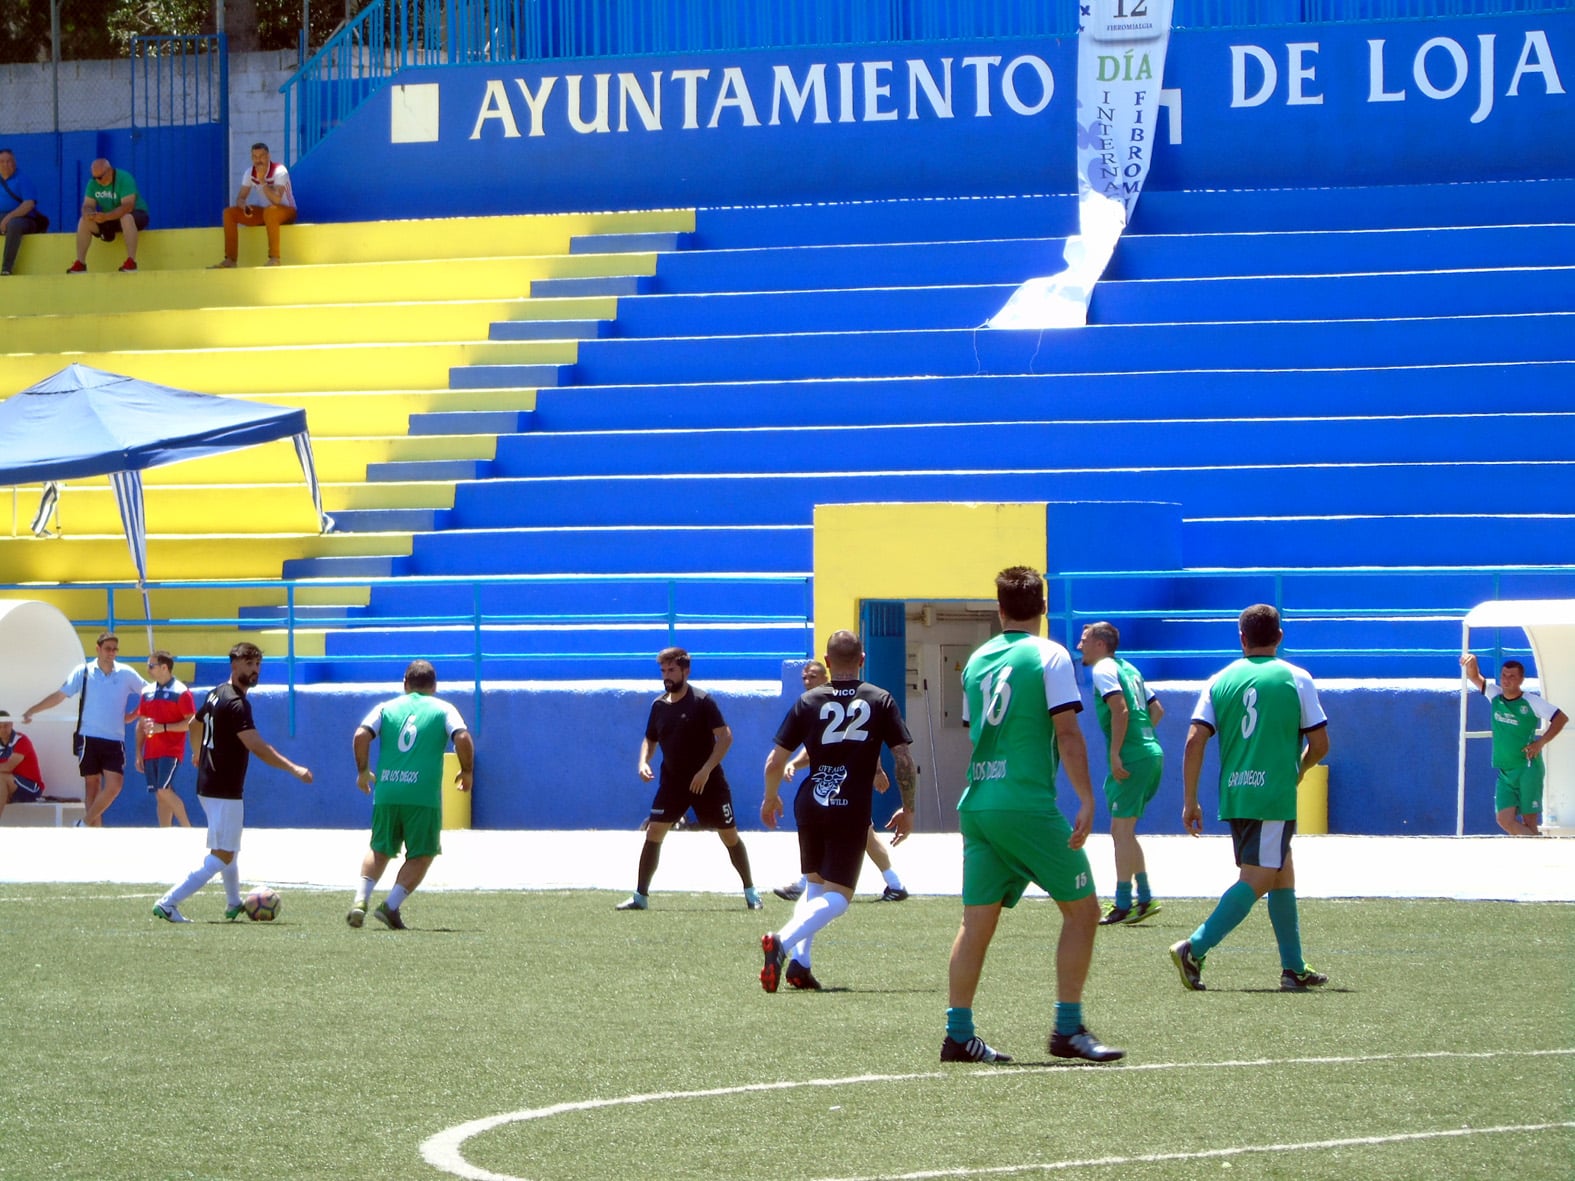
x=443 y=1151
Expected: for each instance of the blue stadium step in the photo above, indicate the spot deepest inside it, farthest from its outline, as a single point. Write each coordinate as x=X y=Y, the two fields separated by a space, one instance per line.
x=1191 y=394
x=549 y=329
x=471 y=422
x=348 y=566
x=944 y=219
x=590 y=285
x=1095 y=349
x=1481 y=203
x=391 y=520
x=840 y=310
x=711 y=667
x=428 y=470
x=758 y=549
x=1024 y=446
x=646 y=242
x=646 y=599
x=311 y=615
x=1331 y=252
x=1420 y=540
x=790 y=498
x=784 y=640
x=506 y=377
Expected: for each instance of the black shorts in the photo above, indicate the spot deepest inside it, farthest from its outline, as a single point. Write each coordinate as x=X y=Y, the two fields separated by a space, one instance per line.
x=829 y=844
x=107 y=230
x=100 y=755
x=1264 y=843
x=713 y=807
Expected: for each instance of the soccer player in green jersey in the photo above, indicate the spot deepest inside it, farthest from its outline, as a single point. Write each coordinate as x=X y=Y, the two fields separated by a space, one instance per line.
x=1271 y=730
x=1517 y=750
x=1127 y=713
x=1020 y=704
x=407 y=803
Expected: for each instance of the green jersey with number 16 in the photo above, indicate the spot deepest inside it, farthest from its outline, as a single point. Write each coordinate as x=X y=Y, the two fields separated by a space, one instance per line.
x=1011 y=686
x=1260 y=706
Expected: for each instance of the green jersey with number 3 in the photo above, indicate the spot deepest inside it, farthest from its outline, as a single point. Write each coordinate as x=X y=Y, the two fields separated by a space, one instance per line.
x=1260 y=706
x=1011 y=686
x=413 y=732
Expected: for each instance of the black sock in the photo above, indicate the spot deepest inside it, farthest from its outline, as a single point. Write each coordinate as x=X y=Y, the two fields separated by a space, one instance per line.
x=739 y=856
x=649 y=856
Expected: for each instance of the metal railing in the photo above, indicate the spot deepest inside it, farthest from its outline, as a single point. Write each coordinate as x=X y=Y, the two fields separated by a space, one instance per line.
x=393 y=35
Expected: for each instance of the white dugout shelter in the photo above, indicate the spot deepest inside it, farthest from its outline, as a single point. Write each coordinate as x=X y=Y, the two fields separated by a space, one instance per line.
x=1549 y=625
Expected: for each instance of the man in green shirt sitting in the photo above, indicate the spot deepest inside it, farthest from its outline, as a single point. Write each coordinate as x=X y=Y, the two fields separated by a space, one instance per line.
x=111 y=205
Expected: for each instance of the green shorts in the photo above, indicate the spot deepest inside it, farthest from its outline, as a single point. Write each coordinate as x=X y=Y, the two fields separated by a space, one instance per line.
x=415 y=827
x=1004 y=851
x=1130 y=796
x=1520 y=788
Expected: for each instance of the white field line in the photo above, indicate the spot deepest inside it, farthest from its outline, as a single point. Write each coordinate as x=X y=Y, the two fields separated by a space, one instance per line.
x=444 y=1150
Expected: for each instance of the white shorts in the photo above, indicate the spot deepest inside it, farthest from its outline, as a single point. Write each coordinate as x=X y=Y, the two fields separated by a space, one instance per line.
x=225 y=819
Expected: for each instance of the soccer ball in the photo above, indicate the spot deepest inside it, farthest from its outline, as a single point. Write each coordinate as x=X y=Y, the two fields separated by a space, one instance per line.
x=262 y=905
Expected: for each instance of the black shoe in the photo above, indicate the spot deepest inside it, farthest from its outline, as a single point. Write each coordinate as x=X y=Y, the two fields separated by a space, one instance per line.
x=1190 y=967
x=1084 y=1045
x=790 y=893
x=1301 y=981
x=1116 y=914
x=893 y=894
x=798 y=976
x=972 y=1050
x=771 y=974
x=389 y=918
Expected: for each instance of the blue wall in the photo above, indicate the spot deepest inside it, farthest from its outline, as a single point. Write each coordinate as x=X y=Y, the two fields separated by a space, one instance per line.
x=564 y=758
x=1447 y=99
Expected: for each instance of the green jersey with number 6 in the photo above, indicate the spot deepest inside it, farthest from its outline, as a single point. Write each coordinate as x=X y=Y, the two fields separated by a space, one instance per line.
x=1115 y=675
x=413 y=732
x=1011 y=686
x=1260 y=706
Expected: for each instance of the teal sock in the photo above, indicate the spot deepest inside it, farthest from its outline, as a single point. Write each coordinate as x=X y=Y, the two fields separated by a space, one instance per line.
x=1287 y=929
x=1068 y=1017
x=1123 y=895
x=1234 y=905
x=1143 y=891
x=959 y=1024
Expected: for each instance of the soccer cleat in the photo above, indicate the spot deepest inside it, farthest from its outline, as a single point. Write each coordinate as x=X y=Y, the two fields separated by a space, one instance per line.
x=1114 y=915
x=1084 y=1045
x=231 y=913
x=790 y=893
x=129 y=265
x=798 y=976
x=356 y=915
x=170 y=914
x=633 y=902
x=893 y=894
x=752 y=899
x=77 y=268
x=1301 y=981
x=389 y=918
x=771 y=974
x=1190 y=967
x=1141 y=911
x=972 y=1050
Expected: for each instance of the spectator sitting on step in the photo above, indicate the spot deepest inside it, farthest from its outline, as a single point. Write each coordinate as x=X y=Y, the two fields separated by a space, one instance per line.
x=19 y=212
x=20 y=778
x=266 y=198
x=111 y=205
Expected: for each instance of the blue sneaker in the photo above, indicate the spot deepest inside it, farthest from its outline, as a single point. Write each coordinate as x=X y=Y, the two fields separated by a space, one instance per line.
x=752 y=899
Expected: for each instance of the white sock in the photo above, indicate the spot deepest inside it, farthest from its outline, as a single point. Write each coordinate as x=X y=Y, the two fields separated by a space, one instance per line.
x=396 y=897
x=803 y=883
x=363 y=892
x=800 y=950
x=811 y=915
x=230 y=875
x=892 y=879
x=199 y=878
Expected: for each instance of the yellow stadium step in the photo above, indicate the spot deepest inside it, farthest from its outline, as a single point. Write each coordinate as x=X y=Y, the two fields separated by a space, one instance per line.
x=107 y=292
x=387 y=412
x=87 y=508
x=124 y=602
x=353 y=242
x=304 y=368
x=338 y=460
x=104 y=558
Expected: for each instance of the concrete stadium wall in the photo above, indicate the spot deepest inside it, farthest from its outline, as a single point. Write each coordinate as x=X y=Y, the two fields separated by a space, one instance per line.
x=563 y=757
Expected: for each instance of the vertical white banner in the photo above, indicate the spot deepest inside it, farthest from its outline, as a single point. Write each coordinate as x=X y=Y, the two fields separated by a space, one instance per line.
x=1120 y=66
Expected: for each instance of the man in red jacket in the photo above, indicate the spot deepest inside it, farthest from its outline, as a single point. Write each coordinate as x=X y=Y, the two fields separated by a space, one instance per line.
x=20 y=778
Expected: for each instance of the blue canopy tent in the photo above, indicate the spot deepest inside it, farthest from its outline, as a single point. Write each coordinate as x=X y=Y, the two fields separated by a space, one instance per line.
x=85 y=422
